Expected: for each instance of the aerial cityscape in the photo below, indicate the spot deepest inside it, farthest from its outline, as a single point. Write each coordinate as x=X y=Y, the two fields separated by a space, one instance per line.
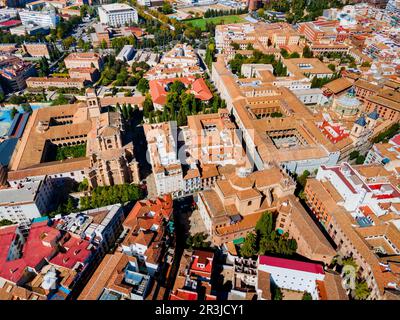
x=206 y=150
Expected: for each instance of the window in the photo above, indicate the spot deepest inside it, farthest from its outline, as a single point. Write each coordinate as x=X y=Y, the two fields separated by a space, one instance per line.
x=249 y=203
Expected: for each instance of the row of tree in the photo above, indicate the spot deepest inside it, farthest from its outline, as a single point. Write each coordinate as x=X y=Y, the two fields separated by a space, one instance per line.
x=210 y=13
x=387 y=134
x=108 y=195
x=319 y=82
x=300 y=10
x=127 y=111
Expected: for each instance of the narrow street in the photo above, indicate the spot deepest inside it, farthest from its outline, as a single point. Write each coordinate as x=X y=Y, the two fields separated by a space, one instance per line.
x=181 y=206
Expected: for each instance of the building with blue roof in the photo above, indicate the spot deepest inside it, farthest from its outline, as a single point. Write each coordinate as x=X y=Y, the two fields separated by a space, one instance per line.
x=361 y=121
x=373 y=115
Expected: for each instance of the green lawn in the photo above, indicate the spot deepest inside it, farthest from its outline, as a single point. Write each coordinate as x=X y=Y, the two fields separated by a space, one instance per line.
x=201 y=22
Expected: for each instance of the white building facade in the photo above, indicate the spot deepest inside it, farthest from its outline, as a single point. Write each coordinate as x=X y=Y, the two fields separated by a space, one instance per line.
x=47 y=19
x=28 y=200
x=293 y=275
x=117 y=14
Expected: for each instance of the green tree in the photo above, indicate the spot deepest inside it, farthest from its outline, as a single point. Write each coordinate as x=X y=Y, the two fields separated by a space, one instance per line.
x=235 y=46
x=166 y=8
x=147 y=106
x=84 y=185
x=306 y=296
x=60 y=100
x=103 y=44
x=44 y=68
x=14 y=99
x=352 y=65
x=249 y=248
x=143 y=85
x=265 y=225
x=350 y=262
x=354 y=154
x=26 y=107
x=5 y=222
x=302 y=179
x=68 y=42
x=198 y=241
x=177 y=87
x=361 y=291
x=360 y=159
x=276 y=293
x=13 y=113
x=332 y=67
x=307 y=53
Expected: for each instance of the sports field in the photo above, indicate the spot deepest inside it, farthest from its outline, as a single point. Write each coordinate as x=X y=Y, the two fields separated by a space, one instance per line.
x=201 y=22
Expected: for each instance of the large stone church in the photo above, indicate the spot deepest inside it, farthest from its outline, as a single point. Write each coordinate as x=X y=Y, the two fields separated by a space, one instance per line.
x=108 y=160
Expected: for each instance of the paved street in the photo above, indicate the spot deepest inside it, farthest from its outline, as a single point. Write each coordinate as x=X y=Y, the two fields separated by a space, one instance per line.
x=196 y=224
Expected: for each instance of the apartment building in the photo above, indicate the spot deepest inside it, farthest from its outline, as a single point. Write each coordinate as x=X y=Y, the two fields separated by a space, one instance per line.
x=309 y=67
x=88 y=74
x=321 y=48
x=44 y=18
x=260 y=35
x=359 y=207
x=194 y=274
x=364 y=89
x=118 y=277
x=387 y=154
x=83 y=60
x=117 y=14
x=36 y=49
x=146 y=230
x=321 y=31
x=386 y=102
x=100 y=35
x=162 y=144
x=180 y=61
x=30 y=199
x=311 y=242
x=42 y=261
x=211 y=139
x=13 y=76
x=101 y=226
x=55 y=82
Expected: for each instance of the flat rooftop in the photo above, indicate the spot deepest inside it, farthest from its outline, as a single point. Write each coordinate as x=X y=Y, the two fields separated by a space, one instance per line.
x=25 y=193
x=116 y=7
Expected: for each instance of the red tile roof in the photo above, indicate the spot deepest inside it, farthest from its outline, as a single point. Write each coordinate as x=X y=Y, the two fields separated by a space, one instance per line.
x=291 y=264
x=396 y=139
x=183 y=295
x=42 y=244
x=203 y=258
x=198 y=87
x=34 y=251
x=76 y=251
x=10 y=23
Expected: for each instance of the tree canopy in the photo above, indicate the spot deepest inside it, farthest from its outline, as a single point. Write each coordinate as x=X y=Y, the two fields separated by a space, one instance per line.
x=267 y=240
